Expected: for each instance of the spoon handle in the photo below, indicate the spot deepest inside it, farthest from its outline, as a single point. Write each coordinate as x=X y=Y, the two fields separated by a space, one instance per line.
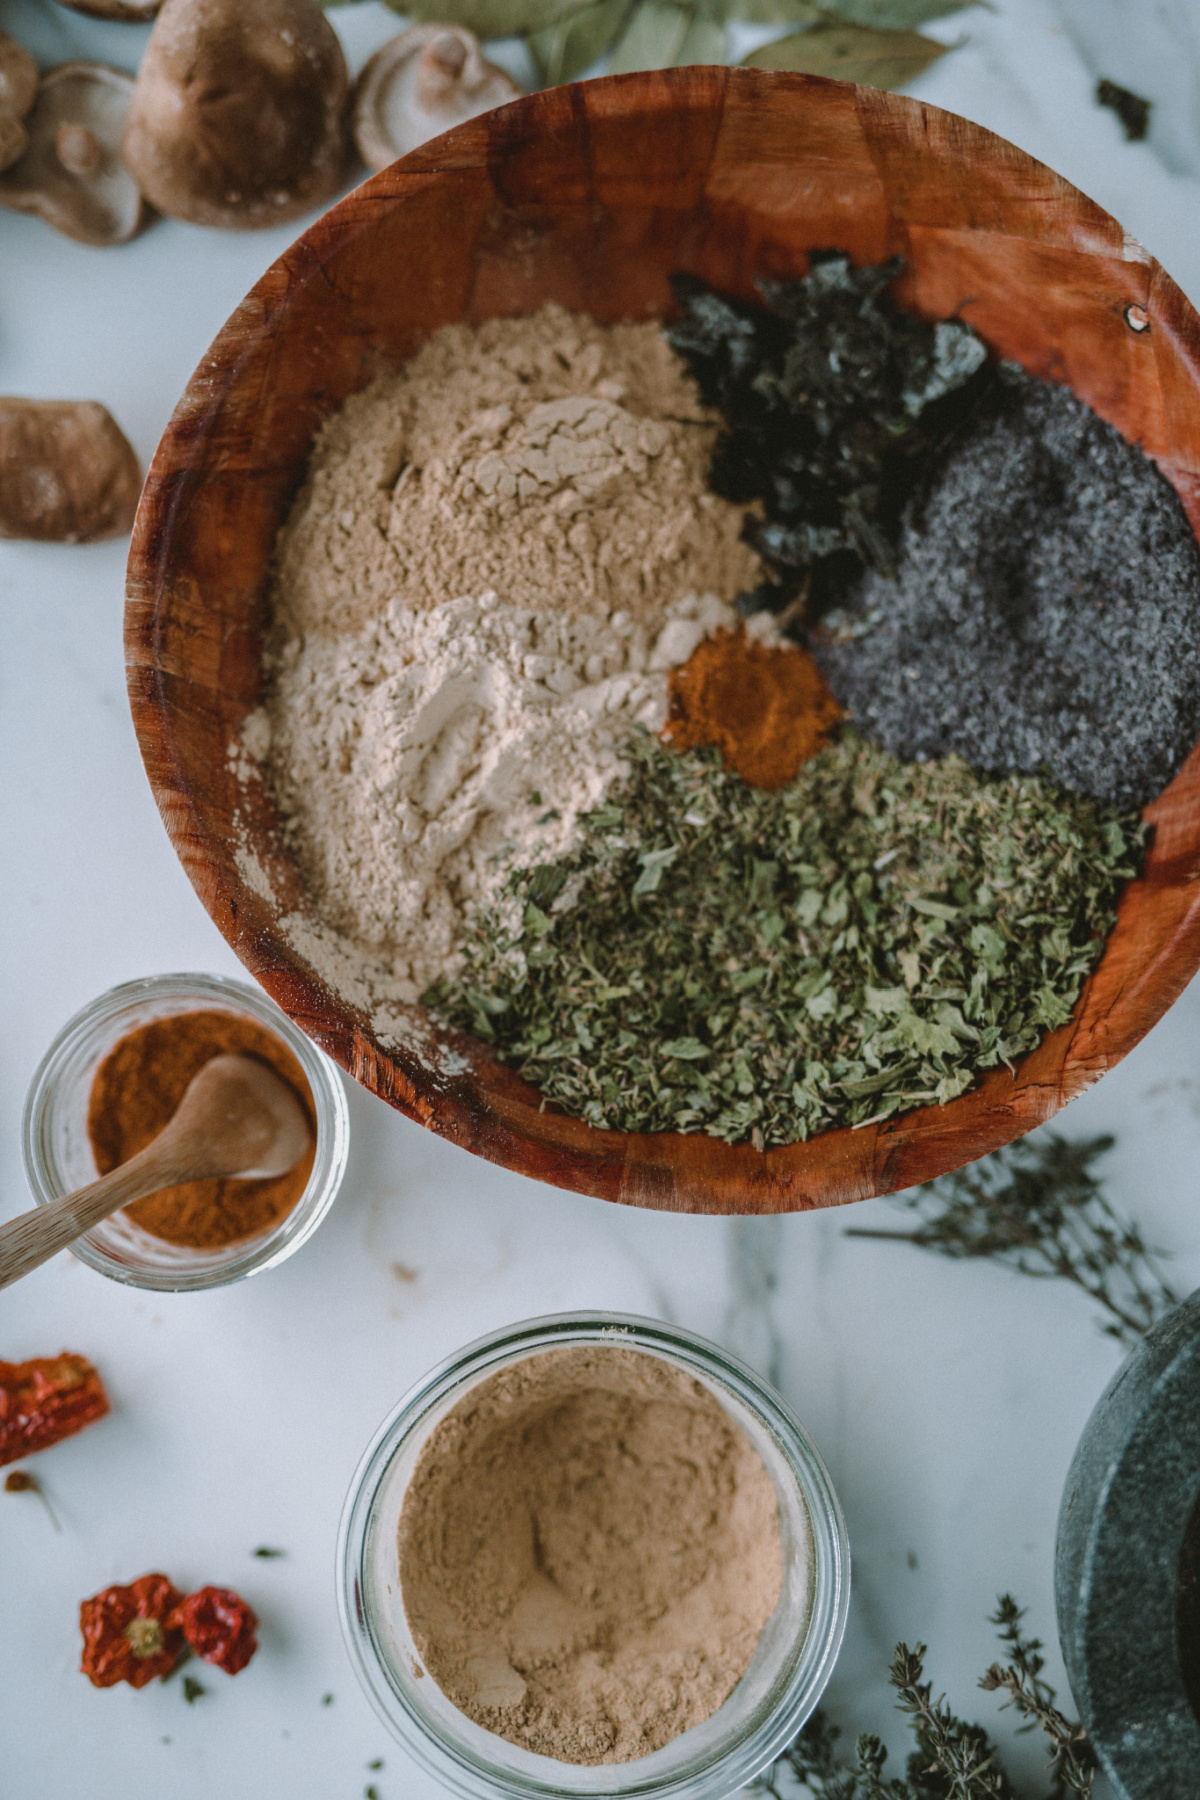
x=33 y=1237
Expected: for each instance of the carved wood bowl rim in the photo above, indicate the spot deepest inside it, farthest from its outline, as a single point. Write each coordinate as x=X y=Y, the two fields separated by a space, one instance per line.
x=1053 y=277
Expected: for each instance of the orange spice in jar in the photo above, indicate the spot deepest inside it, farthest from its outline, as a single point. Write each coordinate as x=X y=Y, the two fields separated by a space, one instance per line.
x=135 y=1092
x=765 y=707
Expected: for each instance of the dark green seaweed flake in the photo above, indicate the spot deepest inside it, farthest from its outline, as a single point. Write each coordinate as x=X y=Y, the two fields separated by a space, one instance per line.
x=833 y=401
x=765 y=965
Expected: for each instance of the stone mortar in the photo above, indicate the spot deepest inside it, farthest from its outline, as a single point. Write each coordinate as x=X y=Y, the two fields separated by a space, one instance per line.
x=1123 y=1587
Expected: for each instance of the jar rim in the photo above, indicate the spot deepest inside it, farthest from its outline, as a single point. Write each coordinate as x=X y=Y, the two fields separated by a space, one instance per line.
x=458 y=1758
x=199 y=1270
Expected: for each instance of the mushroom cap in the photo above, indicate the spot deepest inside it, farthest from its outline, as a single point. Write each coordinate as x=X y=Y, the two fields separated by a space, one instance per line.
x=129 y=12
x=420 y=84
x=68 y=473
x=18 y=90
x=239 y=112
x=72 y=174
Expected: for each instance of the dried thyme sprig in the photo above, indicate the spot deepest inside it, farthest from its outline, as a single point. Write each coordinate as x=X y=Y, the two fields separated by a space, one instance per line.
x=1037 y=1207
x=714 y=957
x=953 y=1760
x=1072 y=1759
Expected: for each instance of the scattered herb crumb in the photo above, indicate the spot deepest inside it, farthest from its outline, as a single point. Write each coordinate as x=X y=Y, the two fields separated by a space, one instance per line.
x=763 y=965
x=377 y=1764
x=1130 y=108
x=912 y=1560
x=192 y=1689
x=1036 y=1206
x=371 y=1793
x=326 y=1699
x=20 y=1481
x=265 y=1551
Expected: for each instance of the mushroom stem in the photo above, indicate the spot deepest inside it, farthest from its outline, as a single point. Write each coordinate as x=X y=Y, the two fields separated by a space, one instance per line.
x=439 y=68
x=71 y=174
x=77 y=149
x=421 y=83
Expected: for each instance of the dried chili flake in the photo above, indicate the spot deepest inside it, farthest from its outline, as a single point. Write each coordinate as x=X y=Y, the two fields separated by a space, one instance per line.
x=220 y=1627
x=45 y=1400
x=131 y=1633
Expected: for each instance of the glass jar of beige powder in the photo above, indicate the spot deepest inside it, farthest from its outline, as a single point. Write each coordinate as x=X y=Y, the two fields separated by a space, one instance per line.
x=593 y=1557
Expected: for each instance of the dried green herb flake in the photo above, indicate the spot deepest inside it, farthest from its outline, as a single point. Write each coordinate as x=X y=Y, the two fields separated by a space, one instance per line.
x=769 y=979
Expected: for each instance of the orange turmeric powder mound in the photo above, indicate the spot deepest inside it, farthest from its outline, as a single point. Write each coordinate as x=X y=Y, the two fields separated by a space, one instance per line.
x=766 y=708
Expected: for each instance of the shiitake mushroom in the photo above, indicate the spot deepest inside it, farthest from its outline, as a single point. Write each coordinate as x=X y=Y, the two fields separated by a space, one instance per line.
x=419 y=84
x=127 y=12
x=238 y=116
x=68 y=474
x=71 y=173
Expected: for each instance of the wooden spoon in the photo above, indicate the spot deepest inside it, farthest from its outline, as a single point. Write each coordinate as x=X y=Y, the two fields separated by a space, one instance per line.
x=237 y=1117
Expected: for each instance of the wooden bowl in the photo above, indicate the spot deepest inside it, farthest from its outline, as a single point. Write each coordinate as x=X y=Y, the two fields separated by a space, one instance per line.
x=592 y=196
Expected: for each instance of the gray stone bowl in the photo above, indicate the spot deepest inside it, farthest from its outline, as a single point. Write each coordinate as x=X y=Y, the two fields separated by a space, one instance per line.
x=1127 y=1567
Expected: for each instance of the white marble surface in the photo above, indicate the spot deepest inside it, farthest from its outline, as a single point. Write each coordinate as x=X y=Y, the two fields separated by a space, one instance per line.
x=947 y=1399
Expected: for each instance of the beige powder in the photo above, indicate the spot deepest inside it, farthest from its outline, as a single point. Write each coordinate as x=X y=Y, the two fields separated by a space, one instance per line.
x=497 y=556
x=589 y=1550
x=560 y=463
x=417 y=759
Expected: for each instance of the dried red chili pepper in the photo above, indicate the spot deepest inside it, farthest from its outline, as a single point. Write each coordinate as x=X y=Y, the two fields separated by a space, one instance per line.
x=131 y=1633
x=46 y=1399
x=220 y=1627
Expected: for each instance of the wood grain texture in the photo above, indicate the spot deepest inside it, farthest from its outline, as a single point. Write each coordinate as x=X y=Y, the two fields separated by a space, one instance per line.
x=592 y=196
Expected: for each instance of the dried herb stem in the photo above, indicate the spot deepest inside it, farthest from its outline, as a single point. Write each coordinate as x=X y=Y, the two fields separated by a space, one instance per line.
x=1037 y=1207
x=1072 y=1759
x=952 y=1759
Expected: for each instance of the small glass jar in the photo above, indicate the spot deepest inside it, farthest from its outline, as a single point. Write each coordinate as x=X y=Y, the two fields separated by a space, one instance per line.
x=789 y=1669
x=58 y=1152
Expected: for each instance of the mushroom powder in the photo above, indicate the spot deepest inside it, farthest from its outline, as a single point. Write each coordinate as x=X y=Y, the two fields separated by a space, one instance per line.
x=496 y=559
x=589 y=1549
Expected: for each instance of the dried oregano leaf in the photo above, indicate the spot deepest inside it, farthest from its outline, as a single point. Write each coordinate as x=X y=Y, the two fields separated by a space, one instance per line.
x=764 y=965
x=880 y=59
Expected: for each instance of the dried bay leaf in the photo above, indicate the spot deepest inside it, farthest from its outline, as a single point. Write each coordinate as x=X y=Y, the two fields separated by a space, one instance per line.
x=489 y=18
x=563 y=51
x=705 y=41
x=891 y=15
x=762 y=12
x=879 y=59
x=652 y=39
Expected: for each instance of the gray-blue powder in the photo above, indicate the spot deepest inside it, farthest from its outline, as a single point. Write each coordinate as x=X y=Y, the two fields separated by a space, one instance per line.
x=1045 y=616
